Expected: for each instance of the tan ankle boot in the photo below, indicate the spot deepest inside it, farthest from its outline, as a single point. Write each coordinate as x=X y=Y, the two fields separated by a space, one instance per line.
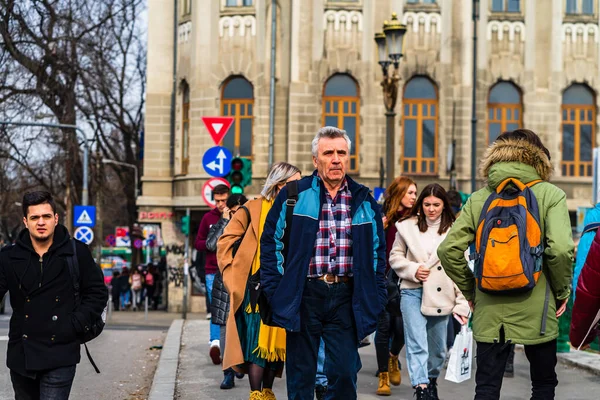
x=384 y=385
x=394 y=371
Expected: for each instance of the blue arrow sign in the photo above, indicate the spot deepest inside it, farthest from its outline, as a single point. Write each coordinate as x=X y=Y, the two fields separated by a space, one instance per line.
x=84 y=216
x=379 y=193
x=217 y=161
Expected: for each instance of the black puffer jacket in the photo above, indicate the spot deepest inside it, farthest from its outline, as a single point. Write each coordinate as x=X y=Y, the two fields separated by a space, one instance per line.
x=219 y=305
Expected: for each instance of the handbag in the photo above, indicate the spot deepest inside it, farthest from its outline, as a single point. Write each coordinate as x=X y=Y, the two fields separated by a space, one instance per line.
x=393 y=291
x=460 y=362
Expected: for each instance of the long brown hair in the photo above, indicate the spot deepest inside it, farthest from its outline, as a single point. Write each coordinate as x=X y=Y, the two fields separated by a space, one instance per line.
x=448 y=217
x=393 y=200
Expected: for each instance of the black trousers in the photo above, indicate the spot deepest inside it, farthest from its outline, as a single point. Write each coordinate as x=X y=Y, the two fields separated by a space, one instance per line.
x=491 y=360
x=388 y=327
x=53 y=384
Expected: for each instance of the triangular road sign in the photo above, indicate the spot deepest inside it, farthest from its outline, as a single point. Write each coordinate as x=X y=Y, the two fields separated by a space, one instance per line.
x=84 y=218
x=217 y=127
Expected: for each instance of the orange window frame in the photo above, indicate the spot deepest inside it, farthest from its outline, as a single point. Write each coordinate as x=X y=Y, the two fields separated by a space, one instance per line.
x=185 y=135
x=345 y=103
x=414 y=165
x=577 y=115
x=239 y=104
x=504 y=121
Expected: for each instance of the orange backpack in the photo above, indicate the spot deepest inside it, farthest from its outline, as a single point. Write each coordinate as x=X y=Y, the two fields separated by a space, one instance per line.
x=508 y=241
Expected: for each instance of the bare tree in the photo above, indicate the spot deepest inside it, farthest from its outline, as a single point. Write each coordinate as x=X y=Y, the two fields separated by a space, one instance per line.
x=84 y=63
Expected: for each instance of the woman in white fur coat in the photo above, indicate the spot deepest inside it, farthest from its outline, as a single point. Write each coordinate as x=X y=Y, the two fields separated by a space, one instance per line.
x=428 y=295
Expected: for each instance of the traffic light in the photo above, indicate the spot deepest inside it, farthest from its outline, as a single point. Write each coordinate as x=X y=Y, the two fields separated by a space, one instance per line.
x=240 y=175
x=185 y=225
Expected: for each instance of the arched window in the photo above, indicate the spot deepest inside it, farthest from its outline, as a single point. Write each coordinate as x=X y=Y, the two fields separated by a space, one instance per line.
x=505 y=109
x=578 y=130
x=237 y=101
x=420 y=123
x=185 y=128
x=341 y=108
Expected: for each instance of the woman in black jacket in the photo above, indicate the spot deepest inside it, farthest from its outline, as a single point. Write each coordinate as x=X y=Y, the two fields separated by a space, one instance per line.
x=220 y=298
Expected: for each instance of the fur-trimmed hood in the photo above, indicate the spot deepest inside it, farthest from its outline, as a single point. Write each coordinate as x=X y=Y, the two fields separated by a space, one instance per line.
x=516 y=151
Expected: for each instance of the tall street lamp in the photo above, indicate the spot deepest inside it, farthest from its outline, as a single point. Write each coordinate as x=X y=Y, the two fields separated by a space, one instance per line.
x=389 y=46
x=123 y=164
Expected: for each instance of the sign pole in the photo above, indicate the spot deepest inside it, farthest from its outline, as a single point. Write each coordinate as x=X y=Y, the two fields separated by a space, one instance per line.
x=186 y=268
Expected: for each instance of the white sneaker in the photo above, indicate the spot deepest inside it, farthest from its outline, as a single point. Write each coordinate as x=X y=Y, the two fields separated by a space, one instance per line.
x=215 y=352
x=208 y=316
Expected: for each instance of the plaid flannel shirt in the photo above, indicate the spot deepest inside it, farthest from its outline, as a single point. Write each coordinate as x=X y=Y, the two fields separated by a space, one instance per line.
x=332 y=252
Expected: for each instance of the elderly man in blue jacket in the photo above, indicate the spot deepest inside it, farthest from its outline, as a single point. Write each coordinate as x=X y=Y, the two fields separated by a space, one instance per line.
x=329 y=283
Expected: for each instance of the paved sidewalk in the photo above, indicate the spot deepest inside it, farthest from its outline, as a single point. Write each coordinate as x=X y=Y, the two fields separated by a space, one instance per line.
x=198 y=378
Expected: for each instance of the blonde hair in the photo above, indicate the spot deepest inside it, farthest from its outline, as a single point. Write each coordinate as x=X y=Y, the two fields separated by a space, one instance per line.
x=279 y=173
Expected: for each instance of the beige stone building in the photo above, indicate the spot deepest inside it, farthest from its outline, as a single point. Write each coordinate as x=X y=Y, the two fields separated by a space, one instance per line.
x=537 y=67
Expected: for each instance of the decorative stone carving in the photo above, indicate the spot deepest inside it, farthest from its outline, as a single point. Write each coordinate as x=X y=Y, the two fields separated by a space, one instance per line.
x=184 y=31
x=427 y=22
x=240 y=25
x=514 y=30
x=343 y=20
x=587 y=32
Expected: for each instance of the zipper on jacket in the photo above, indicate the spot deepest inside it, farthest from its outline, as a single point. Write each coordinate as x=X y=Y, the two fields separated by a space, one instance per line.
x=41 y=270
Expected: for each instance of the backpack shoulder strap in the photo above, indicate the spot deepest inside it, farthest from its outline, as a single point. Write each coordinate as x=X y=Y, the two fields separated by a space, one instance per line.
x=247 y=215
x=591 y=227
x=73 y=264
x=292 y=199
x=533 y=183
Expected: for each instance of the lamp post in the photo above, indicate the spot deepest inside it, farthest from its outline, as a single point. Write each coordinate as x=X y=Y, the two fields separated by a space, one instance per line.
x=86 y=150
x=123 y=164
x=389 y=46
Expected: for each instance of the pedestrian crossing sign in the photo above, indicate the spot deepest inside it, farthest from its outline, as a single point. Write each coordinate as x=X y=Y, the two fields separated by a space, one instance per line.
x=84 y=216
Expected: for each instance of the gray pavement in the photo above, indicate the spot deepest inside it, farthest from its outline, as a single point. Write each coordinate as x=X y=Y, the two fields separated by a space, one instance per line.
x=198 y=378
x=122 y=353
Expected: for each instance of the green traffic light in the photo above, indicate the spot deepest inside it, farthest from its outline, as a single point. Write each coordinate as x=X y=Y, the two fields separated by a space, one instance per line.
x=237 y=189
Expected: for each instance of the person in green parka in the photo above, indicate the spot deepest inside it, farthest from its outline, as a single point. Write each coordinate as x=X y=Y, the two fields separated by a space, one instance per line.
x=502 y=320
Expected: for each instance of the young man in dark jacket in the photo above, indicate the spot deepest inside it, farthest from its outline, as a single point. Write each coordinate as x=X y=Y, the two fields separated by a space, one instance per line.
x=46 y=324
x=333 y=286
x=220 y=194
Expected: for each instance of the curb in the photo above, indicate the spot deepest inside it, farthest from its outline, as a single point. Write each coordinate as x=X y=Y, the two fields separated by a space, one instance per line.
x=163 y=383
x=582 y=360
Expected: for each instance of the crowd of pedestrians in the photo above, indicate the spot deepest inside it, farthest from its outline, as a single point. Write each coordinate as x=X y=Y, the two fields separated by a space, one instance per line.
x=129 y=290
x=314 y=265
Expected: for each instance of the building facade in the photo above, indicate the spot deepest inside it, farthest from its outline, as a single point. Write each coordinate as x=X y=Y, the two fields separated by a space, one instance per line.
x=537 y=67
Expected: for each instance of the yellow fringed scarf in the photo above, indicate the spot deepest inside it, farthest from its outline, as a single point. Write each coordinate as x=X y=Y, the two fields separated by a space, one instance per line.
x=271 y=340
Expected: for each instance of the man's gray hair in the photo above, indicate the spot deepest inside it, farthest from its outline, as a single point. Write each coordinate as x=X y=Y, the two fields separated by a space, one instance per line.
x=330 y=132
x=279 y=173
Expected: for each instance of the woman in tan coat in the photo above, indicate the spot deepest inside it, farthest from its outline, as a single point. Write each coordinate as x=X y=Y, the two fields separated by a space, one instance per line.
x=251 y=347
x=428 y=295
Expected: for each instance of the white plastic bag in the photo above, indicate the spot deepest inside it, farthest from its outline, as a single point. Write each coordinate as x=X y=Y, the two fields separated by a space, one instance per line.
x=460 y=362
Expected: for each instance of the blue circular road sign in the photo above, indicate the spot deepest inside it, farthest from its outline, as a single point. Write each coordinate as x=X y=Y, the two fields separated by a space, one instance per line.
x=217 y=161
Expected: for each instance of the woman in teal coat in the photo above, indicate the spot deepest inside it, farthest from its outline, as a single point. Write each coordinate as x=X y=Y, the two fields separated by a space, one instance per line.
x=529 y=318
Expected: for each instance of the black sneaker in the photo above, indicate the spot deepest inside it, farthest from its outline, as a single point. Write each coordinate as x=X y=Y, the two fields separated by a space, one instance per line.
x=432 y=389
x=422 y=393
x=320 y=392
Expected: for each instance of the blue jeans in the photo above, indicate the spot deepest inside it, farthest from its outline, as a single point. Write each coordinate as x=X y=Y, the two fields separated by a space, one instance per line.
x=125 y=298
x=53 y=384
x=424 y=359
x=215 y=330
x=321 y=379
x=325 y=312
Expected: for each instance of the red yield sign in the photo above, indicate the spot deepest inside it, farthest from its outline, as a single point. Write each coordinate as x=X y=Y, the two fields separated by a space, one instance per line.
x=217 y=127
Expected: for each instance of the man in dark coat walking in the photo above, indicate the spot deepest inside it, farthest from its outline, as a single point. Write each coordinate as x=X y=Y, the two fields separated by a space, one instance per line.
x=46 y=325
